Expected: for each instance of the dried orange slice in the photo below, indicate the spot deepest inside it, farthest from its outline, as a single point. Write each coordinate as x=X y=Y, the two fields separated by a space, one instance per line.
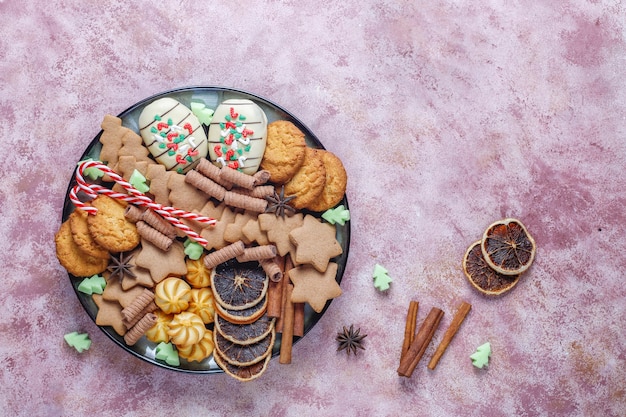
x=507 y=247
x=238 y=286
x=245 y=316
x=242 y=373
x=244 y=355
x=244 y=334
x=482 y=276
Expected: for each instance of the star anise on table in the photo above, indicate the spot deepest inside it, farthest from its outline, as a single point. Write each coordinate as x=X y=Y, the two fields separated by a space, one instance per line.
x=119 y=266
x=278 y=203
x=350 y=340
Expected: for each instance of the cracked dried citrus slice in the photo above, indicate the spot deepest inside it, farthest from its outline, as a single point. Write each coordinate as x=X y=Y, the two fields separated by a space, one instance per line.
x=507 y=247
x=238 y=286
x=244 y=334
x=242 y=373
x=244 y=355
x=482 y=276
x=245 y=316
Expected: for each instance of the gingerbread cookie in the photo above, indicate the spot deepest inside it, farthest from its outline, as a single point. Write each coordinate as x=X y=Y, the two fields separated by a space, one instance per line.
x=109 y=227
x=308 y=182
x=284 y=152
x=335 y=184
x=183 y=195
x=278 y=229
x=314 y=287
x=109 y=314
x=158 y=177
x=315 y=243
x=162 y=264
x=111 y=139
x=72 y=258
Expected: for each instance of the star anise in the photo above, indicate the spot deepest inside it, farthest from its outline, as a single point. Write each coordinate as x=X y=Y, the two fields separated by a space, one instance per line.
x=278 y=203
x=350 y=340
x=119 y=266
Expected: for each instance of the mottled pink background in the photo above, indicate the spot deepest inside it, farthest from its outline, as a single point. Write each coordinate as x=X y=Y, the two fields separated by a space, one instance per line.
x=447 y=115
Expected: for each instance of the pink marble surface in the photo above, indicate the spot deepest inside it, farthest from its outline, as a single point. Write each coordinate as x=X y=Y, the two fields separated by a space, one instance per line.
x=447 y=115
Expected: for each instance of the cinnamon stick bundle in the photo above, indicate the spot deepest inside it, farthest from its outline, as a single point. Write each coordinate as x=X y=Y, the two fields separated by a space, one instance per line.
x=458 y=318
x=420 y=343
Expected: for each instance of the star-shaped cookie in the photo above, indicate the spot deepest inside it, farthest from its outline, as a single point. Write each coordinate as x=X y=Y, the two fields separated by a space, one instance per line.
x=109 y=314
x=215 y=234
x=278 y=229
x=183 y=195
x=162 y=264
x=314 y=287
x=315 y=243
x=114 y=291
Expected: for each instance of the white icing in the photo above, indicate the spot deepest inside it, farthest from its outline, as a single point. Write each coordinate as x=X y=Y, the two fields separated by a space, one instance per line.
x=252 y=132
x=180 y=151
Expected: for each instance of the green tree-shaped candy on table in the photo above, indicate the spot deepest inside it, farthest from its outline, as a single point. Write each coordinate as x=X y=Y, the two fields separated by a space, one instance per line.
x=381 y=278
x=79 y=341
x=480 y=358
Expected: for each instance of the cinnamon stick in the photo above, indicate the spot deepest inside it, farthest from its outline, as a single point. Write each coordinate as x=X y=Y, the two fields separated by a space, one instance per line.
x=298 y=319
x=409 y=327
x=458 y=318
x=288 y=267
x=420 y=343
x=275 y=293
x=287 y=338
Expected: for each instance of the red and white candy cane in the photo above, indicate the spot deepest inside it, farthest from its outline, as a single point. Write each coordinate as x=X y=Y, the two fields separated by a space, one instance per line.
x=134 y=196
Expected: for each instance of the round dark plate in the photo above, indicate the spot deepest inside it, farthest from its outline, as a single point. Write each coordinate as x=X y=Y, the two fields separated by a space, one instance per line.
x=212 y=97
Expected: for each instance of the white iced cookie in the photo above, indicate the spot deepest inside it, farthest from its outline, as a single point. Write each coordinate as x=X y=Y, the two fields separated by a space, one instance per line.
x=237 y=135
x=173 y=134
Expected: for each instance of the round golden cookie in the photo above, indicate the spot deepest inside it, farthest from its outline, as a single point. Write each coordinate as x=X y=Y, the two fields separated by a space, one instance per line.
x=74 y=260
x=284 y=151
x=308 y=183
x=172 y=295
x=186 y=329
x=82 y=237
x=202 y=304
x=109 y=228
x=198 y=275
x=335 y=185
x=158 y=332
x=199 y=351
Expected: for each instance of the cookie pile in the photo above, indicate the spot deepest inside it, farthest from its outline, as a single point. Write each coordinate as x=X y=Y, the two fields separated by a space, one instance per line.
x=254 y=178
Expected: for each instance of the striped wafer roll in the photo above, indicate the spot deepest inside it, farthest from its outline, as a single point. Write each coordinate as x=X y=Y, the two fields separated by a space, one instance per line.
x=209 y=170
x=136 y=307
x=159 y=223
x=272 y=269
x=231 y=251
x=237 y=177
x=261 y=191
x=233 y=199
x=134 y=334
x=153 y=236
x=257 y=253
x=147 y=309
x=261 y=177
x=205 y=184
